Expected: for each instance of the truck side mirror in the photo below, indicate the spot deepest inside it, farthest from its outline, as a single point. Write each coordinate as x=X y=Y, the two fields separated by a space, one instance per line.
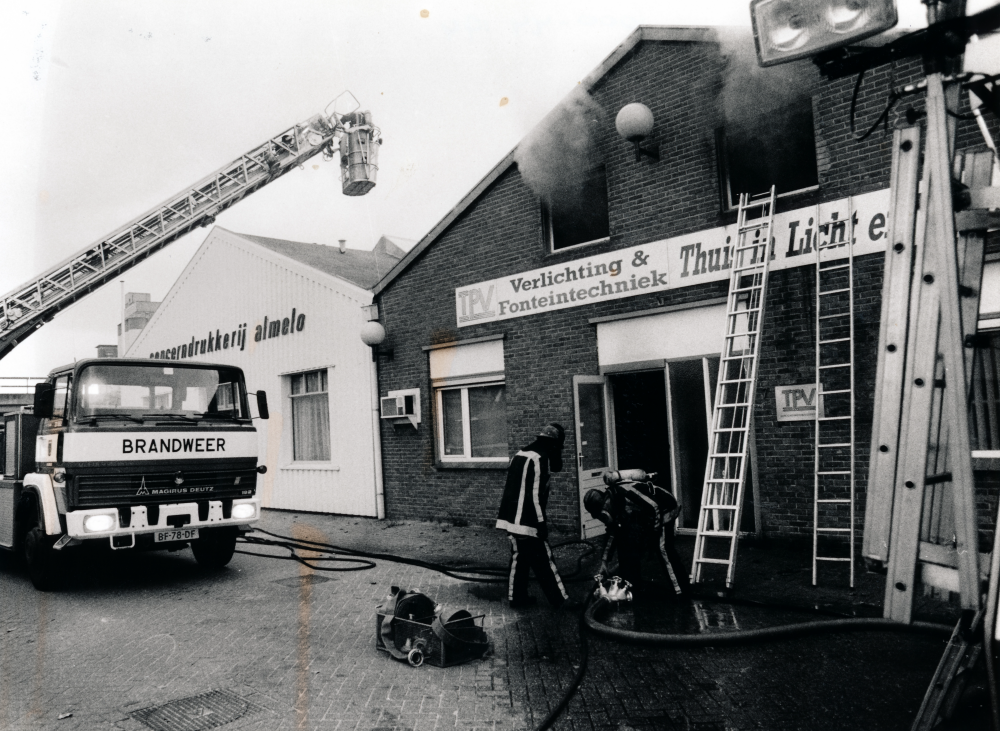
x=44 y=400
x=262 y=411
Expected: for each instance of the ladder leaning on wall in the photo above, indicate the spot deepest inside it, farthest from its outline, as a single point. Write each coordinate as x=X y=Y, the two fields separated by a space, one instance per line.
x=732 y=418
x=834 y=445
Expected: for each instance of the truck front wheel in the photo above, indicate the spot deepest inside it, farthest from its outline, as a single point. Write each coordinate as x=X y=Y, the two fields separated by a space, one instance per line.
x=41 y=559
x=215 y=548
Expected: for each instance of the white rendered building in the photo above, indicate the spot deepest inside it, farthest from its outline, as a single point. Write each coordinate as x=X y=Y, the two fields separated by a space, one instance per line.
x=288 y=314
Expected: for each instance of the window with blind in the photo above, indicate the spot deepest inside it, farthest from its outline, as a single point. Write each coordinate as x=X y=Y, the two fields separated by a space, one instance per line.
x=310 y=417
x=470 y=403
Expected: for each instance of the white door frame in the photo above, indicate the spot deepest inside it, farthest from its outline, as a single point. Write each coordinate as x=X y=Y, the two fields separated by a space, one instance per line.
x=592 y=477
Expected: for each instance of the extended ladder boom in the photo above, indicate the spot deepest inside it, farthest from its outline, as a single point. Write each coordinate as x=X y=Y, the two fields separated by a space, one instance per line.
x=28 y=307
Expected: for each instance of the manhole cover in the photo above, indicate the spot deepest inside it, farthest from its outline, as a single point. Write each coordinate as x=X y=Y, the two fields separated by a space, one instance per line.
x=306 y=580
x=208 y=710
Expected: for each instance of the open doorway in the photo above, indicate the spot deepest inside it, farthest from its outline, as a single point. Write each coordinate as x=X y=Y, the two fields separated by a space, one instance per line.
x=691 y=412
x=642 y=432
x=661 y=420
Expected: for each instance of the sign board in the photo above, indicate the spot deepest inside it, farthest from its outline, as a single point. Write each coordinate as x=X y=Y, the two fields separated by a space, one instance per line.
x=682 y=261
x=796 y=403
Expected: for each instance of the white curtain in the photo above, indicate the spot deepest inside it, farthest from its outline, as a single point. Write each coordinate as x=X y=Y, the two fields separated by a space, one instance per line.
x=311 y=428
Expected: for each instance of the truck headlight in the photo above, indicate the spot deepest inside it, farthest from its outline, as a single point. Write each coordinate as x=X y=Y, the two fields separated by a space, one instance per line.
x=243 y=511
x=99 y=523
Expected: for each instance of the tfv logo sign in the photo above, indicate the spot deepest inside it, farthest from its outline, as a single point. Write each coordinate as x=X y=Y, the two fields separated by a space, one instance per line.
x=796 y=403
x=473 y=305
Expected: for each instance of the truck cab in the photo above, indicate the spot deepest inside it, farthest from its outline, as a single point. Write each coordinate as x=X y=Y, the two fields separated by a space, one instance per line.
x=133 y=454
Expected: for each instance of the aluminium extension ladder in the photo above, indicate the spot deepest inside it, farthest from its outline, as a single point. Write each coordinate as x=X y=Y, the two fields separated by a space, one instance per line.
x=834 y=445
x=732 y=417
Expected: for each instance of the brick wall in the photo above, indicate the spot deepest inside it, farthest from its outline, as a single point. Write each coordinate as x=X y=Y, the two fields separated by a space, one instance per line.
x=501 y=233
x=785 y=449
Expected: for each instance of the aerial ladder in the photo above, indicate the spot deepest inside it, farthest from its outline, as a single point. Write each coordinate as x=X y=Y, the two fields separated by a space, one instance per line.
x=351 y=135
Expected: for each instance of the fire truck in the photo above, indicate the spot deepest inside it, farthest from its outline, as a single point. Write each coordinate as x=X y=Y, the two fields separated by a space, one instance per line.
x=135 y=454
x=149 y=454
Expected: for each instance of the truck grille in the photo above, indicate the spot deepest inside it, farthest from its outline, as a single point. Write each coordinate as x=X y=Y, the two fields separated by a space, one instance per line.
x=110 y=490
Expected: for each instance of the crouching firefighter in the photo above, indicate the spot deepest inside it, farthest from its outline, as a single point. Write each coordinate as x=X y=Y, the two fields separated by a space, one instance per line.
x=522 y=515
x=637 y=515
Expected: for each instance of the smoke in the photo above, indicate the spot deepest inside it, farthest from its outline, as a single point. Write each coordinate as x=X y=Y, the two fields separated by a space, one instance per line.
x=555 y=158
x=751 y=93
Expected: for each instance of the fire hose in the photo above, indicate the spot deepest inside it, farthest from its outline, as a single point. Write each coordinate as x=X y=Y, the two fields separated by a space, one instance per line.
x=358 y=560
x=595 y=609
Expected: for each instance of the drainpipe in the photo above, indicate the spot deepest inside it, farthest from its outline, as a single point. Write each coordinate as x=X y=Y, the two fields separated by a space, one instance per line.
x=377 y=444
x=373 y=334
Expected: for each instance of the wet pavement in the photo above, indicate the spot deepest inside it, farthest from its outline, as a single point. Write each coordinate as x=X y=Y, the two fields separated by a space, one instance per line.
x=134 y=642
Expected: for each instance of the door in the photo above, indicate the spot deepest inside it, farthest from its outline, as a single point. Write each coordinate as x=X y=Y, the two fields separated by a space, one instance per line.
x=590 y=401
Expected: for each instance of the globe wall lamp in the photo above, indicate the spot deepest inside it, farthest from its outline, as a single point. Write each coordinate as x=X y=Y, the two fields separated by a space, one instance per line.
x=635 y=123
x=373 y=332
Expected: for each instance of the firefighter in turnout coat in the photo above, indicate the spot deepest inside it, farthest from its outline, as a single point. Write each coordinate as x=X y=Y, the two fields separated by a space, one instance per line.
x=638 y=515
x=522 y=515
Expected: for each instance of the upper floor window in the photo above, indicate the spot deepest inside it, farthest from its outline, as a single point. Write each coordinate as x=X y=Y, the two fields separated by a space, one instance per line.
x=580 y=216
x=777 y=148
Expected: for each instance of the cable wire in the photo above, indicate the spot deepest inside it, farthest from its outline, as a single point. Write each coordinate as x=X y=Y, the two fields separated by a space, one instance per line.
x=883 y=117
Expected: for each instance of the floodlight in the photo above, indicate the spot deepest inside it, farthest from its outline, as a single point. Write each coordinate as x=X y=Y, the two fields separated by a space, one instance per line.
x=786 y=30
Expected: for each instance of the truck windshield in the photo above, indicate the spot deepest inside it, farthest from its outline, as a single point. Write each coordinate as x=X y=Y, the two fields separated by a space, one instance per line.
x=156 y=391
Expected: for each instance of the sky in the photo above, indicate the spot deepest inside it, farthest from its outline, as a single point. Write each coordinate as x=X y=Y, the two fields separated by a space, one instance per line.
x=112 y=107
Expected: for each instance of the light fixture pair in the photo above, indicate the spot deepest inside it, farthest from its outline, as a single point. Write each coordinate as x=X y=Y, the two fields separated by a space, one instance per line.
x=786 y=30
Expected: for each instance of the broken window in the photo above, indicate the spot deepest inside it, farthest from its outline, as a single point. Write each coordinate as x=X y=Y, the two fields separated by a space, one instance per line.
x=579 y=216
x=777 y=148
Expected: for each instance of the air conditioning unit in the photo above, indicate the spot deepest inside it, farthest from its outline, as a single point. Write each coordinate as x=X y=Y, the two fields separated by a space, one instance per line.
x=399 y=405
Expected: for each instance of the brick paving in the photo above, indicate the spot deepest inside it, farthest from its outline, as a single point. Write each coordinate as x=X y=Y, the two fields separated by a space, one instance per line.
x=129 y=633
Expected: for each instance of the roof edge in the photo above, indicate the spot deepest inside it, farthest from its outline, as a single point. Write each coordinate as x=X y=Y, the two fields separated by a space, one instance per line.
x=499 y=169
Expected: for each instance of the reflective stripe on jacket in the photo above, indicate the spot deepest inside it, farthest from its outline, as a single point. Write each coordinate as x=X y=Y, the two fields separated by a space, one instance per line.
x=522 y=507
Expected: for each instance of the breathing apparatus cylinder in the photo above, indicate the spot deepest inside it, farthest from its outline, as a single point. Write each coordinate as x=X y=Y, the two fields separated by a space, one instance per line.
x=613 y=477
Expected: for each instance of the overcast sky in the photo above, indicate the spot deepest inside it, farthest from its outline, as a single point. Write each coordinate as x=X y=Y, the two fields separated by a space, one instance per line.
x=109 y=108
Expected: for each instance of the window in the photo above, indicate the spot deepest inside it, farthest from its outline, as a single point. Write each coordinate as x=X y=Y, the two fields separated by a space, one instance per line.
x=984 y=414
x=580 y=214
x=470 y=403
x=60 y=398
x=310 y=417
x=777 y=148
x=473 y=423
x=150 y=391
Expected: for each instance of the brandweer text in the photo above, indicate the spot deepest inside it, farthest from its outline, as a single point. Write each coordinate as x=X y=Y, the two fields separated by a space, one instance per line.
x=200 y=444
